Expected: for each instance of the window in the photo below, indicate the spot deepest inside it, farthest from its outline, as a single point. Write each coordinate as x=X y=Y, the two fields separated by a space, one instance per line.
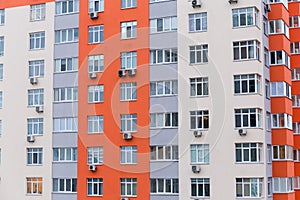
x=282 y=152
x=66 y=7
x=95 y=155
x=267 y=89
x=200 y=187
x=96 y=93
x=266 y=57
x=296 y=74
x=197 y=22
x=1 y=46
x=268 y=121
x=280 y=89
x=96 y=34
x=35 y=126
x=278 y=27
x=96 y=63
x=281 y=120
x=128 y=186
x=199 y=87
x=36 y=68
x=200 y=154
x=164 y=88
x=296 y=100
x=279 y=57
x=96 y=6
x=128 y=4
x=36 y=97
x=296 y=154
x=127 y=91
x=199 y=54
x=296 y=127
x=164 y=120
x=249 y=187
x=269 y=154
x=68 y=94
x=163 y=24
x=265 y=26
x=164 y=153
x=128 y=30
x=95 y=124
x=199 y=119
x=269 y=186
x=37 y=40
x=164 y=186
x=0 y=133
x=295 y=47
x=247 y=84
x=1 y=72
x=284 y=2
x=128 y=154
x=34 y=185
x=283 y=185
x=248 y=153
x=246 y=50
x=163 y=56
x=94 y=186
x=65 y=124
x=128 y=123
x=1 y=99
x=297 y=182
x=34 y=156
x=68 y=154
x=294 y=21
x=67 y=185
x=66 y=35
x=247 y=118
x=244 y=17
x=37 y=12
x=2 y=17
x=128 y=60
x=66 y=65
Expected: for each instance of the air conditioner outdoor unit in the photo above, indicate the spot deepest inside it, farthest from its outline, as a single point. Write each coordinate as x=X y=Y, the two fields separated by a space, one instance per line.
x=196 y=168
x=233 y=1
x=131 y=72
x=92 y=75
x=92 y=168
x=121 y=73
x=243 y=132
x=33 y=80
x=30 y=138
x=197 y=133
x=196 y=3
x=127 y=136
x=39 y=109
x=268 y=7
x=124 y=198
x=93 y=15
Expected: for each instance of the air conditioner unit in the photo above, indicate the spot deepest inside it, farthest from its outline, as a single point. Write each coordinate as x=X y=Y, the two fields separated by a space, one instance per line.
x=196 y=3
x=121 y=73
x=92 y=75
x=267 y=8
x=127 y=136
x=124 y=198
x=243 y=132
x=131 y=72
x=197 y=133
x=33 y=80
x=93 y=15
x=39 y=109
x=233 y=1
x=30 y=138
x=92 y=168
x=196 y=168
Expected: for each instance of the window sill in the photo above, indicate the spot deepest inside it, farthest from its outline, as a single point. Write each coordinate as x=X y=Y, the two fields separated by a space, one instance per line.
x=247 y=163
x=295 y=79
x=128 y=8
x=159 y=161
x=64 y=162
x=206 y=164
x=95 y=133
x=243 y=60
x=62 y=72
x=127 y=164
x=159 y=128
x=61 y=132
x=196 y=64
x=247 y=94
x=164 y=194
x=247 y=26
x=200 y=31
x=198 y=129
x=37 y=20
x=155 y=64
x=96 y=102
x=63 y=14
x=62 y=43
x=129 y=38
x=58 y=102
x=96 y=164
x=131 y=100
x=37 y=49
x=162 y=32
x=95 y=43
x=168 y=95
x=199 y=96
x=64 y=192
x=161 y=1
x=196 y=198
x=237 y=128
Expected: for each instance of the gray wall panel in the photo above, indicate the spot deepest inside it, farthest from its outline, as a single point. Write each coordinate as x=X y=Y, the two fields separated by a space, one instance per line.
x=163 y=72
x=66 y=50
x=163 y=104
x=163 y=169
x=161 y=9
x=164 y=136
x=65 y=109
x=64 y=140
x=66 y=21
x=56 y=196
x=64 y=170
x=65 y=79
x=163 y=40
x=163 y=197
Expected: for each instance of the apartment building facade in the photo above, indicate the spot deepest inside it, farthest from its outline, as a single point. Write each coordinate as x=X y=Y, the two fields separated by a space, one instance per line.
x=154 y=99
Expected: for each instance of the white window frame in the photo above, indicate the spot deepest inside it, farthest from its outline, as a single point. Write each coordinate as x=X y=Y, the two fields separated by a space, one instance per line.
x=199 y=154
x=68 y=94
x=198 y=22
x=296 y=156
x=36 y=68
x=296 y=182
x=163 y=88
x=161 y=186
x=35 y=126
x=249 y=183
x=251 y=81
x=281 y=120
x=249 y=14
x=247 y=151
x=34 y=185
x=65 y=154
x=295 y=74
x=295 y=47
x=95 y=124
x=128 y=30
x=128 y=91
x=278 y=27
x=241 y=50
x=34 y=156
x=279 y=57
x=2 y=17
x=163 y=56
x=282 y=152
x=128 y=123
x=95 y=155
x=64 y=185
x=296 y=128
x=1 y=99
x=199 y=115
x=96 y=6
x=268 y=121
x=66 y=7
x=296 y=101
x=66 y=35
x=96 y=63
x=37 y=40
x=248 y=112
x=199 y=84
x=65 y=124
x=128 y=60
x=164 y=24
x=35 y=97
x=128 y=4
x=128 y=187
x=1 y=72
x=37 y=12
x=164 y=153
x=164 y=120
x=93 y=183
x=96 y=34
x=205 y=187
x=128 y=155
x=1 y=46
x=63 y=65
x=199 y=54
x=280 y=89
x=294 y=21
x=283 y=185
x=95 y=93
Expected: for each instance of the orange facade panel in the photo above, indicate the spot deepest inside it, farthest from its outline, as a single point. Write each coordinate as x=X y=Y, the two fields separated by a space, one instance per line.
x=284 y=196
x=294 y=8
x=281 y=105
x=282 y=137
x=10 y=4
x=297 y=142
x=295 y=61
x=280 y=73
x=279 y=42
x=297 y=167
x=296 y=114
x=283 y=168
x=279 y=11
x=294 y=34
